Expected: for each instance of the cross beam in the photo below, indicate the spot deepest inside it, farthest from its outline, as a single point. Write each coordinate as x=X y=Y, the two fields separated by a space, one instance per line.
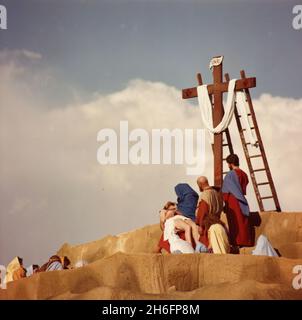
x=222 y=87
x=216 y=90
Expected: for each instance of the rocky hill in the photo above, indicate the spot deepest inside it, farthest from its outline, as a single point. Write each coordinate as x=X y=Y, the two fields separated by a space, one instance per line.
x=124 y=267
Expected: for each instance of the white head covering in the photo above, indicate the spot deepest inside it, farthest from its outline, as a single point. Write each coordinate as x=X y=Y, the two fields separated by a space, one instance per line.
x=264 y=248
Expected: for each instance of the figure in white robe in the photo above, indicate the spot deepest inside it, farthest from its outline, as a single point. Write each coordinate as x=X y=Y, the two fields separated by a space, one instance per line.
x=177 y=245
x=264 y=248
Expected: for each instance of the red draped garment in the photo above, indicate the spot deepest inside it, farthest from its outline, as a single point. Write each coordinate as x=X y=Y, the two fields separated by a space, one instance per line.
x=239 y=227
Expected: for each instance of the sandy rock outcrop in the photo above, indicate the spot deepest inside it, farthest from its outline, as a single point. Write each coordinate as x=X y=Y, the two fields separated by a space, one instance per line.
x=124 y=267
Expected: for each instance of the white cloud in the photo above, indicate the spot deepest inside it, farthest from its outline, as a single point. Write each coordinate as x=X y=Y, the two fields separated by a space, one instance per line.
x=6 y=54
x=52 y=188
x=31 y=55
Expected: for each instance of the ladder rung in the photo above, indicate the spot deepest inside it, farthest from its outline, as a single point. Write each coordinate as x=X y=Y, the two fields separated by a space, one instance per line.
x=250 y=143
x=247 y=115
x=225 y=172
x=268 y=197
x=225 y=144
x=256 y=170
x=262 y=183
x=256 y=156
x=251 y=129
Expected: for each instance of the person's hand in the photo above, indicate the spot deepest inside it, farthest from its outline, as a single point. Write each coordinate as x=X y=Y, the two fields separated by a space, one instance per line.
x=157 y=249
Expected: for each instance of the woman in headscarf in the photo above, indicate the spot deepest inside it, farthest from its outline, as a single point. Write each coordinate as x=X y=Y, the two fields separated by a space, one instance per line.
x=55 y=263
x=214 y=233
x=15 y=270
x=187 y=200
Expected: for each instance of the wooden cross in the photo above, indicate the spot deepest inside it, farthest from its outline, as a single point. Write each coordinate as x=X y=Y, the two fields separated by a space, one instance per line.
x=216 y=91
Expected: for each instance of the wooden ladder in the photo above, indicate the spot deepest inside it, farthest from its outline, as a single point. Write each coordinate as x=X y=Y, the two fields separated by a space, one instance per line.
x=252 y=170
x=249 y=157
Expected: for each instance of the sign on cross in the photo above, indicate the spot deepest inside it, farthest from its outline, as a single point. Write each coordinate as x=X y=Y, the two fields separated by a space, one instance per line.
x=216 y=91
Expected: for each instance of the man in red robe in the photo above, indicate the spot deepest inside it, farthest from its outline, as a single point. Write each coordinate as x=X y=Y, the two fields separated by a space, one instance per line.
x=236 y=206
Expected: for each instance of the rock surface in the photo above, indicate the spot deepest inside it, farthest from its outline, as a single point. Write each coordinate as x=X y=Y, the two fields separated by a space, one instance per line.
x=124 y=267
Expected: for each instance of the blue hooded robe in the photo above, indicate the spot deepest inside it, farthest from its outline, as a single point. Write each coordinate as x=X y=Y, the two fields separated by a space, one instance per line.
x=187 y=200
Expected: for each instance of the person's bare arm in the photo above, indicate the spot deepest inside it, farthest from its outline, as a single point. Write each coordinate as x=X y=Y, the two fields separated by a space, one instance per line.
x=162 y=218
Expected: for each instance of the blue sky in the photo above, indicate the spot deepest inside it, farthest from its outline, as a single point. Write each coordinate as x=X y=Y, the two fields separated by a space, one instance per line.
x=68 y=69
x=101 y=45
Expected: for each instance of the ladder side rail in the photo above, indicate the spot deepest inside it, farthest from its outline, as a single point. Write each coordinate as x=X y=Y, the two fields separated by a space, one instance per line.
x=246 y=153
x=261 y=146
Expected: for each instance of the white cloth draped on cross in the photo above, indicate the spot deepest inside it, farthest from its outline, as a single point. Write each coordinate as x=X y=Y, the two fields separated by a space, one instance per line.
x=206 y=110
